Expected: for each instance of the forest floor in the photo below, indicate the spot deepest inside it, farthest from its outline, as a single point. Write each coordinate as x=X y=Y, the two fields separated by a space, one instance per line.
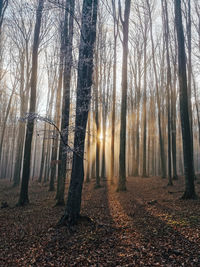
x=148 y=225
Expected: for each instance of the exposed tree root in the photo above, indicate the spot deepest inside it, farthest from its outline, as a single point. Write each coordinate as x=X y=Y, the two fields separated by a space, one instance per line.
x=188 y=195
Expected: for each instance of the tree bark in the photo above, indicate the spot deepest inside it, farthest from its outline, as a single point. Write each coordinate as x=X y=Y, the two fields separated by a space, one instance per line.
x=184 y=108
x=84 y=83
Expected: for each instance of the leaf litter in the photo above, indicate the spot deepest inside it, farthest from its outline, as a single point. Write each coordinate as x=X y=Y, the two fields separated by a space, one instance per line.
x=144 y=226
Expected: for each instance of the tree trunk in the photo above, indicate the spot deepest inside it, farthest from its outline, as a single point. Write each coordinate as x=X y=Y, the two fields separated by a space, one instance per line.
x=168 y=87
x=96 y=85
x=162 y=152
x=144 y=173
x=68 y=39
x=23 y=198
x=88 y=150
x=43 y=155
x=54 y=152
x=122 y=153
x=5 y=121
x=137 y=158
x=184 y=108
x=114 y=94
x=84 y=83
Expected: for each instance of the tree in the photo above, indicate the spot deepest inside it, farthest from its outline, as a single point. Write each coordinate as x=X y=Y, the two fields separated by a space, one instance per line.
x=23 y=198
x=168 y=86
x=105 y=98
x=20 y=30
x=6 y=118
x=84 y=83
x=97 y=119
x=162 y=152
x=145 y=36
x=88 y=149
x=54 y=153
x=67 y=52
x=137 y=40
x=115 y=35
x=184 y=107
x=122 y=155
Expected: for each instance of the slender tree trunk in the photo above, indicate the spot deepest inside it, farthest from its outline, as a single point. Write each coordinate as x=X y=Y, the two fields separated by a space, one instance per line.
x=144 y=173
x=168 y=87
x=162 y=152
x=122 y=153
x=47 y=161
x=54 y=152
x=23 y=198
x=189 y=38
x=97 y=124
x=5 y=121
x=104 y=119
x=19 y=154
x=88 y=150
x=173 y=118
x=114 y=94
x=93 y=142
x=43 y=155
x=35 y=155
x=136 y=172
x=68 y=39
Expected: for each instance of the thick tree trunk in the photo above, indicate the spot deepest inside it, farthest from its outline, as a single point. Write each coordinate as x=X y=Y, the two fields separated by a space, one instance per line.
x=184 y=108
x=84 y=83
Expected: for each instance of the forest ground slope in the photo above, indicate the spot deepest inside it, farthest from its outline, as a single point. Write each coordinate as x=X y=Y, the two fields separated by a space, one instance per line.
x=146 y=226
